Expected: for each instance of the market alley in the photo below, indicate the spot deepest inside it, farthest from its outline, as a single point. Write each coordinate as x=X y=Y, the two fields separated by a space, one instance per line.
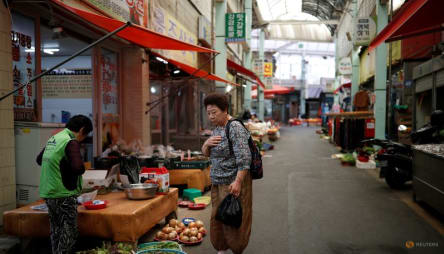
x=309 y=203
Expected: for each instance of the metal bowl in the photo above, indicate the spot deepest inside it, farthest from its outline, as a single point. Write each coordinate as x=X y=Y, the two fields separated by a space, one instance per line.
x=141 y=191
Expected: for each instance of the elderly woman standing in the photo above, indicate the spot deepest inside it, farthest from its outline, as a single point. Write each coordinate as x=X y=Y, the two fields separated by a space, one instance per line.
x=229 y=174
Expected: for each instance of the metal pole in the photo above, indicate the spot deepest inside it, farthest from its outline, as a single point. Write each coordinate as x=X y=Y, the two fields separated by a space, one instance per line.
x=390 y=83
x=68 y=59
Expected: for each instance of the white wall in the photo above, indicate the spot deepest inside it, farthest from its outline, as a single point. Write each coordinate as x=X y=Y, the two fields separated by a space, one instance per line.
x=80 y=62
x=318 y=67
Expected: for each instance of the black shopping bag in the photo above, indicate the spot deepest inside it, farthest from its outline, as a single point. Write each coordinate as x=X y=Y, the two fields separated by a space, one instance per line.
x=129 y=165
x=229 y=211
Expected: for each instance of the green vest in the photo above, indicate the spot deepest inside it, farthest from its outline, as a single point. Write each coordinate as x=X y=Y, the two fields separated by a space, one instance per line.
x=51 y=185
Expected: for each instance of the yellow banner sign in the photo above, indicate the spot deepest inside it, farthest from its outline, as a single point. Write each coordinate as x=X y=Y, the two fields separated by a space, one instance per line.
x=164 y=23
x=268 y=69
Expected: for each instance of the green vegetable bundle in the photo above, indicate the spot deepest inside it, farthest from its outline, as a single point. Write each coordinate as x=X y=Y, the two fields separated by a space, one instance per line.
x=160 y=245
x=109 y=248
x=348 y=158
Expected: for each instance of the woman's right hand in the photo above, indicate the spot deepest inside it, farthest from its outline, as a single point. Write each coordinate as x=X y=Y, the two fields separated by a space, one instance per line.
x=213 y=141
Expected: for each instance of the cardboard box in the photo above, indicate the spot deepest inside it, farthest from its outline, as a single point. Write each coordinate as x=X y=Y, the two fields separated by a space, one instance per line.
x=161 y=177
x=99 y=178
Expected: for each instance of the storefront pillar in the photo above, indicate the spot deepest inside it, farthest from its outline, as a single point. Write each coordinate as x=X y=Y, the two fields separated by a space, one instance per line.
x=247 y=56
x=337 y=77
x=135 y=95
x=355 y=57
x=260 y=90
x=220 y=46
x=303 y=82
x=7 y=164
x=381 y=74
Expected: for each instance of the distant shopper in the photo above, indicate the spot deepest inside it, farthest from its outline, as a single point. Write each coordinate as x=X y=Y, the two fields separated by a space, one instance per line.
x=229 y=174
x=61 y=181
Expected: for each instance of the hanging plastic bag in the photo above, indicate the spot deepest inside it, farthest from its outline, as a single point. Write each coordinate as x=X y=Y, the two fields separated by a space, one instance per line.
x=129 y=166
x=230 y=211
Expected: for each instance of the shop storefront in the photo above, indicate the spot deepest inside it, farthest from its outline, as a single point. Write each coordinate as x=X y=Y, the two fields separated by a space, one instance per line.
x=87 y=85
x=108 y=82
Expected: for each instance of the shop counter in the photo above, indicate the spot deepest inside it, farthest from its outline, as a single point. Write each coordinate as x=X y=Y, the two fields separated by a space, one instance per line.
x=122 y=220
x=193 y=178
x=428 y=175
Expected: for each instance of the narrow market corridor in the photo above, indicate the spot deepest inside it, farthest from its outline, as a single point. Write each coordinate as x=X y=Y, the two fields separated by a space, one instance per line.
x=309 y=203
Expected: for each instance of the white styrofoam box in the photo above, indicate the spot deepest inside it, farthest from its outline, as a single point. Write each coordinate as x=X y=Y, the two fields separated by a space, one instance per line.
x=96 y=178
x=371 y=164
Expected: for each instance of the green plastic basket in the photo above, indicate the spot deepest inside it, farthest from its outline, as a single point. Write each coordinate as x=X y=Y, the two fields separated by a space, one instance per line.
x=190 y=164
x=161 y=251
x=158 y=245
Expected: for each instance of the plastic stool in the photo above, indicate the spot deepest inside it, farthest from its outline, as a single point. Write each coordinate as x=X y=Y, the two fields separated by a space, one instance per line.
x=190 y=194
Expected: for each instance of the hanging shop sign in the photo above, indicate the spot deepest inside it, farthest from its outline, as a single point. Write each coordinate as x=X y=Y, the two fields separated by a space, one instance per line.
x=110 y=98
x=204 y=30
x=396 y=52
x=71 y=86
x=268 y=69
x=345 y=66
x=23 y=67
x=164 y=23
x=124 y=10
x=258 y=66
x=365 y=31
x=367 y=65
x=235 y=27
x=108 y=79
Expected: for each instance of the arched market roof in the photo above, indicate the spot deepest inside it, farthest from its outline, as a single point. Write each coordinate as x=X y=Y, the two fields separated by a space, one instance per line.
x=303 y=20
x=324 y=10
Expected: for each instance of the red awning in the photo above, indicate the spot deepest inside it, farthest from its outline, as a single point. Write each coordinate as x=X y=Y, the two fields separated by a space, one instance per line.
x=277 y=89
x=346 y=85
x=194 y=71
x=136 y=34
x=266 y=96
x=245 y=71
x=416 y=17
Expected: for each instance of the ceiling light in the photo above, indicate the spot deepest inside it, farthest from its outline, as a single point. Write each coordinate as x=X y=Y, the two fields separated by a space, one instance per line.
x=153 y=89
x=161 y=60
x=228 y=88
x=51 y=51
x=32 y=49
x=176 y=71
x=244 y=86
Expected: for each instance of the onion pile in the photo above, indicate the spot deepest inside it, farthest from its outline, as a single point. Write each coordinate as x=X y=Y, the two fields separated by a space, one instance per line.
x=193 y=233
x=170 y=231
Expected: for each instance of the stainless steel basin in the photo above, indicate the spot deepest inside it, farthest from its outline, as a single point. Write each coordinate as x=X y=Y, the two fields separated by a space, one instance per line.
x=141 y=191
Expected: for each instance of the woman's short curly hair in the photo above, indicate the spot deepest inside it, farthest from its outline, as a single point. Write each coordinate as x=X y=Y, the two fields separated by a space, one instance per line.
x=217 y=99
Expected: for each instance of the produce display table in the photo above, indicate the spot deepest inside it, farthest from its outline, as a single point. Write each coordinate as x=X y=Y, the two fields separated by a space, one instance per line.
x=122 y=220
x=193 y=178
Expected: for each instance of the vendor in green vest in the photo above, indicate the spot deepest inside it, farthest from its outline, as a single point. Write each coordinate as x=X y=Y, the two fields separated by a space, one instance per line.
x=61 y=181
